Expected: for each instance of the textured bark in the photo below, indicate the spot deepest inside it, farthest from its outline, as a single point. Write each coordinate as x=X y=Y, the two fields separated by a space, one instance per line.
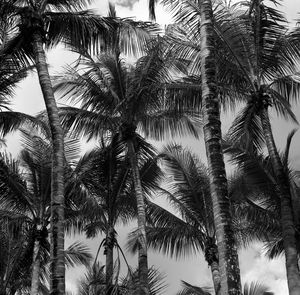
x=287 y=221
x=215 y=273
x=212 y=259
x=143 y=258
x=35 y=281
x=109 y=252
x=57 y=263
x=228 y=258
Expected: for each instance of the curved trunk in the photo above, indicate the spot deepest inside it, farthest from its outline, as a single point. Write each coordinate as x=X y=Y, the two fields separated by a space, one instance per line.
x=215 y=273
x=35 y=277
x=228 y=258
x=109 y=252
x=143 y=259
x=57 y=264
x=287 y=221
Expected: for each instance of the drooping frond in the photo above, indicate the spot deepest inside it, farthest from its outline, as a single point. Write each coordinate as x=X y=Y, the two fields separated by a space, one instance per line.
x=128 y=36
x=274 y=248
x=77 y=254
x=172 y=235
x=247 y=130
x=256 y=167
x=12 y=121
x=86 y=123
x=171 y=123
x=14 y=194
x=189 y=189
x=77 y=29
x=282 y=106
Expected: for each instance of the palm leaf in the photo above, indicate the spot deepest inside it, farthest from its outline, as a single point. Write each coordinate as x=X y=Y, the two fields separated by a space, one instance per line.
x=189 y=289
x=256 y=288
x=77 y=29
x=14 y=194
x=247 y=129
x=172 y=235
x=77 y=254
x=12 y=121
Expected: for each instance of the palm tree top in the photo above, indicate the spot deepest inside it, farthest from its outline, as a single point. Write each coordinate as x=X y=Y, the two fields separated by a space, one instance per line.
x=114 y=95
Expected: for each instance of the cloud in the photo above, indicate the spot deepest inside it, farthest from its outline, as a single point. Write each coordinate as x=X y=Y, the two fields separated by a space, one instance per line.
x=126 y=3
x=256 y=267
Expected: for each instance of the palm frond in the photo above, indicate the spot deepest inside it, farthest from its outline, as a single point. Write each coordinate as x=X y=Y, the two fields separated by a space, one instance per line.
x=288 y=86
x=246 y=129
x=274 y=248
x=256 y=288
x=77 y=254
x=189 y=191
x=169 y=234
x=255 y=167
x=68 y=5
x=130 y=284
x=94 y=281
x=131 y=36
x=14 y=194
x=283 y=107
x=188 y=289
x=86 y=123
x=77 y=29
x=287 y=148
x=11 y=121
x=171 y=123
x=18 y=51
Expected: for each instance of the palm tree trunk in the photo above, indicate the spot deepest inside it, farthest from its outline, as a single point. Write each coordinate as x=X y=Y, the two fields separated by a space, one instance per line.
x=57 y=264
x=212 y=259
x=35 y=269
x=215 y=273
x=109 y=252
x=228 y=258
x=143 y=258
x=287 y=221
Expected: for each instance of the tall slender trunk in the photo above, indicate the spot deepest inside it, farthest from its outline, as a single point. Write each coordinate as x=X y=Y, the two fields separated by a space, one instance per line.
x=36 y=265
x=109 y=252
x=215 y=273
x=57 y=264
x=143 y=258
x=228 y=258
x=287 y=221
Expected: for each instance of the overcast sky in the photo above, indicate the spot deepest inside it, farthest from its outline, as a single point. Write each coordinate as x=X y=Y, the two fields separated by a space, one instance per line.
x=192 y=269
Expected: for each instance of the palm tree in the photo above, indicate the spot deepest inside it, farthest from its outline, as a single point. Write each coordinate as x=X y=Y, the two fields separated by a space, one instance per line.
x=189 y=194
x=17 y=249
x=200 y=15
x=105 y=176
x=191 y=228
x=120 y=98
x=26 y=200
x=265 y=76
x=259 y=213
x=250 y=68
x=39 y=23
